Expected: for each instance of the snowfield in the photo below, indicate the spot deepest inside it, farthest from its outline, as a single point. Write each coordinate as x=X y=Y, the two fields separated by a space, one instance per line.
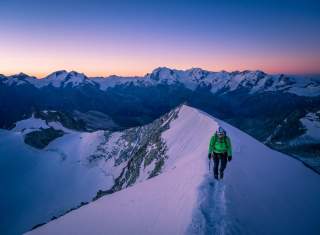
x=263 y=192
x=311 y=122
x=39 y=184
x=33 y=124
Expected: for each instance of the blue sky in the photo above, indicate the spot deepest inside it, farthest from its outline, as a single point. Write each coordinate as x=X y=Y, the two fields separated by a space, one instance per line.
x=133 y=37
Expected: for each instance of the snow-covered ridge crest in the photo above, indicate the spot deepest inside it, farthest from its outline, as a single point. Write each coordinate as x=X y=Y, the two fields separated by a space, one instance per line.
x=90 y=162
x=185 y=199
x=253 y=81
x=158 y=199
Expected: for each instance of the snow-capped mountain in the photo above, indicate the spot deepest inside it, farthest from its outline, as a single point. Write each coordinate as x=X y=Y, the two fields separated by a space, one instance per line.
x=263 y=192
x=253 y=81
x=64 y=78
x=18 y=79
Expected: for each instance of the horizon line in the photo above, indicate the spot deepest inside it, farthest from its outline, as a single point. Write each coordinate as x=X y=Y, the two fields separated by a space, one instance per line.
x=41 y=76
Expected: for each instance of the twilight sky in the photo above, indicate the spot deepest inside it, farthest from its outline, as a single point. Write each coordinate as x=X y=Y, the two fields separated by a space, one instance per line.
x=133 y=37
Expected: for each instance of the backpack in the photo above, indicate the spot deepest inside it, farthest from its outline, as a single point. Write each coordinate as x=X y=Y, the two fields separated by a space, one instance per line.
x=224 y=139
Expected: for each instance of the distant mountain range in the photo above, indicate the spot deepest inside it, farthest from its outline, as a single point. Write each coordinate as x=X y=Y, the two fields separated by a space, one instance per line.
x=253 y=81
x=281 y=111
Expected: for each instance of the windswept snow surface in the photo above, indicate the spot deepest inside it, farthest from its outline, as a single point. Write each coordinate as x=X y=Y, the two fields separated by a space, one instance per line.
x=161 y=205
x=263 y=192
x=30 y=178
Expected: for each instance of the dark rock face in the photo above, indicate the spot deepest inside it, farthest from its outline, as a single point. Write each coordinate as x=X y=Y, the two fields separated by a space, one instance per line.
x=41 y=138
x=148 y=148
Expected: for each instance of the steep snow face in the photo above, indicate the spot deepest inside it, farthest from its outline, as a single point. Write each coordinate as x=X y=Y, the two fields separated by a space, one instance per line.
x=181 y=137
x=54 y=79
x=164 y=204
x=72 y=168
x=263 y=192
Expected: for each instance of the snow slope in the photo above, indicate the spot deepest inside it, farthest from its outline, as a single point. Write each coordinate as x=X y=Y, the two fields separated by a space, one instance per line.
x=72 y=168
x=164 y=203
x=34 y=124
x=264 y=191
x=311 y=122
x=39 y=184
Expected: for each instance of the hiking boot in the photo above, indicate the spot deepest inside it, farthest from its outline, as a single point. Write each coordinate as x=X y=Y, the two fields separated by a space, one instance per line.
x=216 y=176
x=221 y=175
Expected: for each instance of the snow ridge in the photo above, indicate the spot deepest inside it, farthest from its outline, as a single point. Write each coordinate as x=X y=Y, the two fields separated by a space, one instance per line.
x=263 y=191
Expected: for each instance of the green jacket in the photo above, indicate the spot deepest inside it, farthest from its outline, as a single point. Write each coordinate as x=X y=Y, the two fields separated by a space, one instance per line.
x=218 y=145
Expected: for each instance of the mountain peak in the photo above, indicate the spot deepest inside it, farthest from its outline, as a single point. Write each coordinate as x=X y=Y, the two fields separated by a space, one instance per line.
x=63 y=77
x=161 y=73
x=65 y=74
x=20 y=75
x=196 y=69
x=57 y=74
x=75 y=73
x=165 y=73
x=162 y=70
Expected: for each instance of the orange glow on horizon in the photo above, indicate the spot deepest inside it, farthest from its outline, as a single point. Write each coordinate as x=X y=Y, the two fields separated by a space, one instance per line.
x=136 y=72
x=102 y=42
x=96 y=62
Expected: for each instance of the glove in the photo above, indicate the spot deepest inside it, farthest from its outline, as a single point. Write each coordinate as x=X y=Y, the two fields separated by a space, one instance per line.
x=209 y=156
x=229 y=158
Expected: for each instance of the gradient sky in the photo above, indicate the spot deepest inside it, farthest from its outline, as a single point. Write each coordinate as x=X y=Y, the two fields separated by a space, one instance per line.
x=133 y=37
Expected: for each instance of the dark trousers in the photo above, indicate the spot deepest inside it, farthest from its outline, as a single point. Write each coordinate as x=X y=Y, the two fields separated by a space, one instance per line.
x=219 y=159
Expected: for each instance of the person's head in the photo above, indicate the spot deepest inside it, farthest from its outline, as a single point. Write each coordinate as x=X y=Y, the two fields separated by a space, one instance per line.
x=221 y=132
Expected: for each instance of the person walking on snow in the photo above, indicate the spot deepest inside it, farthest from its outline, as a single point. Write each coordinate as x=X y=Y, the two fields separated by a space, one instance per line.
x=220 y=151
